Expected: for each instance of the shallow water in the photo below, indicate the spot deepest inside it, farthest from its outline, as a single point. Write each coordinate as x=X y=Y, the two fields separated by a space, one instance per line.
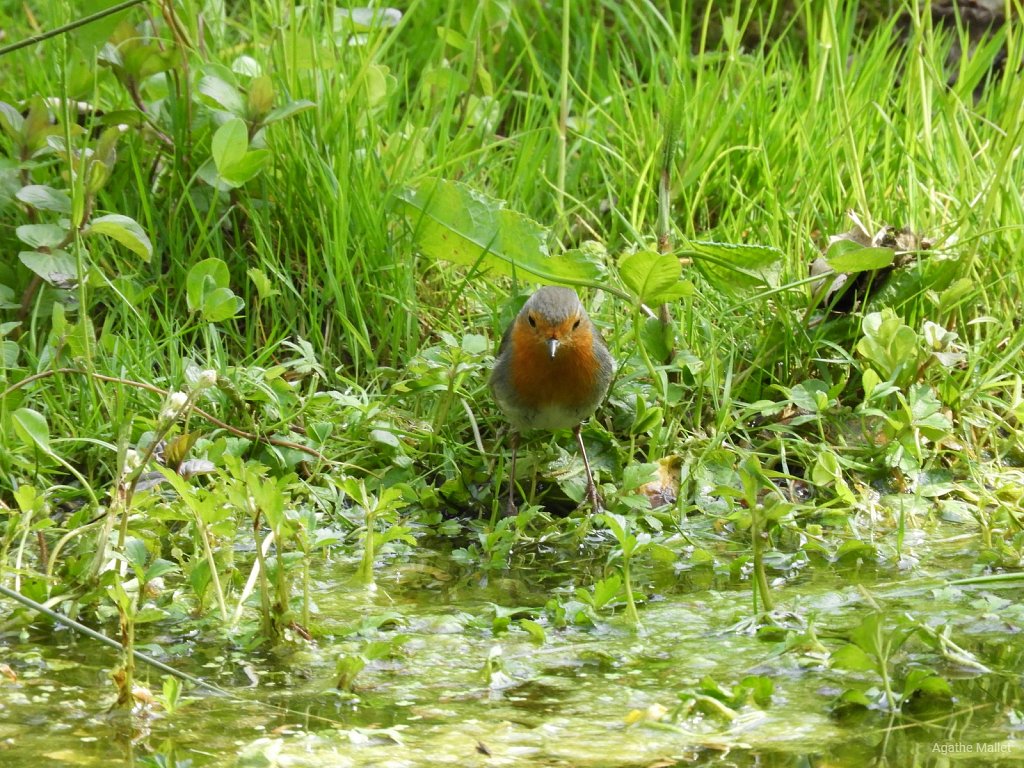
x=455 y=692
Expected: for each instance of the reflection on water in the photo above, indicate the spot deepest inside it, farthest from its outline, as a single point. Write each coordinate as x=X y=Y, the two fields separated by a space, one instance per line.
x=460 y=681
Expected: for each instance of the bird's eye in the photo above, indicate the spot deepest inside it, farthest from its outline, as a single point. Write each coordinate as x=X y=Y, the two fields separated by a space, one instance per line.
x=533 y=321
x=576 y=324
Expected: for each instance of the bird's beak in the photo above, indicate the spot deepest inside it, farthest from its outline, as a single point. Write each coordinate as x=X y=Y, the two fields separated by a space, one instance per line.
x=552 y=347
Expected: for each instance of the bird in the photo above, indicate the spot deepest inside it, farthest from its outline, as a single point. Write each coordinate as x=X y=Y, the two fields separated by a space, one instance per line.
x=551 y=372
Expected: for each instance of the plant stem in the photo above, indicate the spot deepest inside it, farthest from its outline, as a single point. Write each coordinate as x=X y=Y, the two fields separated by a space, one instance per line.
x=634 y=617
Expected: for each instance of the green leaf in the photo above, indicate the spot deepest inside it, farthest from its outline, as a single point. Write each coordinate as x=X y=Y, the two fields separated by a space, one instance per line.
x=869 y=381
x=264 y=286
x=657 y=338
x=247 y=168
x=853 y=658
x=606 y=590
x=733 y=267
x=220 y=93
x=136 y=553
x=868 y=636
x=31 y=427
x=375 y=81
x=855 y=549
x=149 y=614
x=455 y=223
x=454 y=38
x=221 y=304
x=654 y=278
x=849 y=256
x=761 y=689
x=44 y=198
x=9 y=354
x=535 y=630
x=207 y=291
x=926 y=683
x=890 y=345
x=159 y=567
x=826 y=468
x=850 y=701
x=810 y=395
x=385 y=437
x=41 y=235
x=56 y=267
x=230 y=144
x=287 y=110
x=615 y=523
x=196 y=287
x=11 y=121
x=124 y=230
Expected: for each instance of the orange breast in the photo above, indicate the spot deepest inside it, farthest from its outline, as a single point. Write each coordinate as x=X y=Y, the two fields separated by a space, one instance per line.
x=568 y=380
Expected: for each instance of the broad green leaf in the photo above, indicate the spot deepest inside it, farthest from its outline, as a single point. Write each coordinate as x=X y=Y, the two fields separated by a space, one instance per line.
x=196 y=283
x=855 y=549
x=11 y=121
x=149 y=614
x=850 y=700
x=455 y=223
x=159 y=567
x=220 y=93
x=869 y=381
x=221 y=304
x=454 y=38
x=733 y=267
x=44 y=198
x=760 y=687
x=868 y=635
x=810 y=395
x=615 y=523
x=657 y=338
x=287 y=110
x=9 y=351
x=890 y=345
x=606 y=590
x=926 y=683
x=535 y=630
x=826 y=468
x=56 y=267
x=31 y=427
x=124 y=230
x=246 y=168
x=848 y=256
x=375 y=81
x=136 y=553
x=41 y=235
x=28 y=498
x=654 y=278
x=662 y=554
x=853 y=658
x=384 y=437
x=229 y=145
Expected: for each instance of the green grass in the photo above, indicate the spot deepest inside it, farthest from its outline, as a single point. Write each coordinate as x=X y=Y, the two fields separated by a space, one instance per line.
x=773 y=137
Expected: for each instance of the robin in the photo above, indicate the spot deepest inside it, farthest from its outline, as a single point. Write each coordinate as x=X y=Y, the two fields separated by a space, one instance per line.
x=552 y=371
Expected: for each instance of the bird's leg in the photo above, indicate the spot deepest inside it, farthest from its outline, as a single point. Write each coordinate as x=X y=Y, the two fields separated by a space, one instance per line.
x=510 y=508
x=595 y=500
